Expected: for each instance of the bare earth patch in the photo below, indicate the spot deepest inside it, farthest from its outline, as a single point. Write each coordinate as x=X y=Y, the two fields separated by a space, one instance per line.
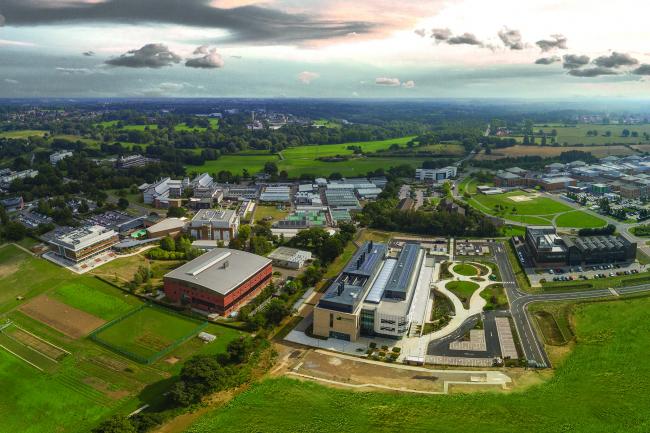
x=64 y=318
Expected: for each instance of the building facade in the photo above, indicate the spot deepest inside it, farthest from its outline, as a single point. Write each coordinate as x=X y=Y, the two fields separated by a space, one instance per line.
x=215 y=224
x=84 y=243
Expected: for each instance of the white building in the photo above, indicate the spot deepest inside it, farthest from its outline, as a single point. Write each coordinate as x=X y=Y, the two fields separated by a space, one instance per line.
x=435 y=174
x=215 y=224
x=58 y=156
x=289 y=258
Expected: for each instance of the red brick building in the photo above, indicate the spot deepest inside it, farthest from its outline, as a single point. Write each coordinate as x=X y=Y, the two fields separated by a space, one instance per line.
x=220 y=281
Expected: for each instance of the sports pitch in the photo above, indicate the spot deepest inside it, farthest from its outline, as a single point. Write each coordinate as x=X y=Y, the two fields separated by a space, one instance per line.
x=147 y=333
x=52 y=382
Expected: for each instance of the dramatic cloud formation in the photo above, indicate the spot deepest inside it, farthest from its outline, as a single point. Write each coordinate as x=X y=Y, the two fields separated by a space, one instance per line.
x=591 y=72
x=307 y=77
x=644 y=69
x=88 y=53
x=420 y=32
x=385 y=81
x=573 y=61
x=209 y=58
x=464 y=39
x=440 y=34
x=244 y=24
x=615 y=60
x=511 y=39
x=556 y=41
x=150 y=56
x=547 y=60
x=408 y=84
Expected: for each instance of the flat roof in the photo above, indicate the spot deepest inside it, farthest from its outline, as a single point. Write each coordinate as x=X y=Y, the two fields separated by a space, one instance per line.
x=212 y=216
x=83 y=237
x=167 y=224
x=398 y=283
x=220 y=270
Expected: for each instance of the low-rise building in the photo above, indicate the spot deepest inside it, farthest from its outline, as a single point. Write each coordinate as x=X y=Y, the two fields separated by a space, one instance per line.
x=435 y=174
x=219 y=281
x=173 y=227
x=290 y=258
x=215 y=224
x=59 y=156
x=83 y=243
x=12 y=204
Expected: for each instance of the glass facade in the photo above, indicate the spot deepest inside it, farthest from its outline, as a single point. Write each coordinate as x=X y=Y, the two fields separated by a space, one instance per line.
x=367 y=322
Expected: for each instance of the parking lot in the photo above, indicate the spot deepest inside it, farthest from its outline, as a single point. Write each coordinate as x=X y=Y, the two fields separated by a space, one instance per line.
x=471 y=248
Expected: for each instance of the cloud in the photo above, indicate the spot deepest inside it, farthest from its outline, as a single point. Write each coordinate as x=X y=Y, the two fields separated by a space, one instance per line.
x=209 y=58
x=591 y=72
x=511 y=38
x=615 y=60
x=245 y=23
x=556 y=41
x=440 y=34
x=88 y=53
x=420 y=32
x=547 y=60
x=166 y=88
x=75 y=71
x=149 y=56
x=644 y=69
x=464 y=39
x=408 y=84
x=11 y=81
x=385 y=81
x=307 y=77
x=573 y=61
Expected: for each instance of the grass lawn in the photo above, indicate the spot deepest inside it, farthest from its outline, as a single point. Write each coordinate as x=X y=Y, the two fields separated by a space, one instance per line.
x=553 y=321
x=269 y=213
x=147 y=332
x=24 y=275
x=579 y=219
x=324 y=150
x=495 y=296
x=25 y=133
x=95 y=297
x=466 y=270
x=510 y=231
x=599 y=387
x=462 y=289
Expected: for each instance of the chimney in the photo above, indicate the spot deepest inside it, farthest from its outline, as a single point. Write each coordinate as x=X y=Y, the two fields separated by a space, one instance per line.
x=339 y=291
x=370 y=245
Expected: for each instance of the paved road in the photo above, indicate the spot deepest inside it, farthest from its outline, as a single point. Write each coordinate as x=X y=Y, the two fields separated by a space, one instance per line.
x=530 y=342
x=440 y=347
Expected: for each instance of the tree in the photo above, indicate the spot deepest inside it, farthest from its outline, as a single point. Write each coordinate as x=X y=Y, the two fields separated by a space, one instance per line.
x=275 y=311
x=122 y=203
x=271 y=168
x=116 y=424
x=14 y=231
x=176 y=212
x=239 y=349
x=332 y=248
x=168 y=244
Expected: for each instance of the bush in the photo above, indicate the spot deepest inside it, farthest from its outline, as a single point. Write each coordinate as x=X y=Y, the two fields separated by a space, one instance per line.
x=397 y=349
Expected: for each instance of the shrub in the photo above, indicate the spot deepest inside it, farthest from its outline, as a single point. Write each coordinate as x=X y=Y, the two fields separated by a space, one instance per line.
x=397 y=349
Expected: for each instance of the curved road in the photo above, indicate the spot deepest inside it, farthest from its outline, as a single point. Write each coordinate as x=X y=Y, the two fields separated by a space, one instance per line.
x=530 y=343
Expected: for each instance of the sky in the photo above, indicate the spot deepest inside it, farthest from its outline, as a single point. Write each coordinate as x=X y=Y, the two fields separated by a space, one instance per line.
x=559 y=49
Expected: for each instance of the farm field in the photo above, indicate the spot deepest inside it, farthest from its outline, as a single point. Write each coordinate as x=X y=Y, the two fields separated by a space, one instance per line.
x=303 y=160
x=578 y=134
x=610 y=384
x=95 y=381
x=25 y=133
x=532 y=209
x=549 y=151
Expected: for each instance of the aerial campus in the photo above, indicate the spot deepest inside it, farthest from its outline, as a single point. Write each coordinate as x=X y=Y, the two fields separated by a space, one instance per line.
x=275 y=216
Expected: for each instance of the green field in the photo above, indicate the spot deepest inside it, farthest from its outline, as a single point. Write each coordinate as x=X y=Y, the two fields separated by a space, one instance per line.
x=25 y=133
x=466 y=270
x=602 y=386
x=303 y=159
x=578 y=134
x=579 y=219
x=462 y=289
x=72 y=396
x=537 y=210
x=95 y=297
x=269 y=213
x=147 y=331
